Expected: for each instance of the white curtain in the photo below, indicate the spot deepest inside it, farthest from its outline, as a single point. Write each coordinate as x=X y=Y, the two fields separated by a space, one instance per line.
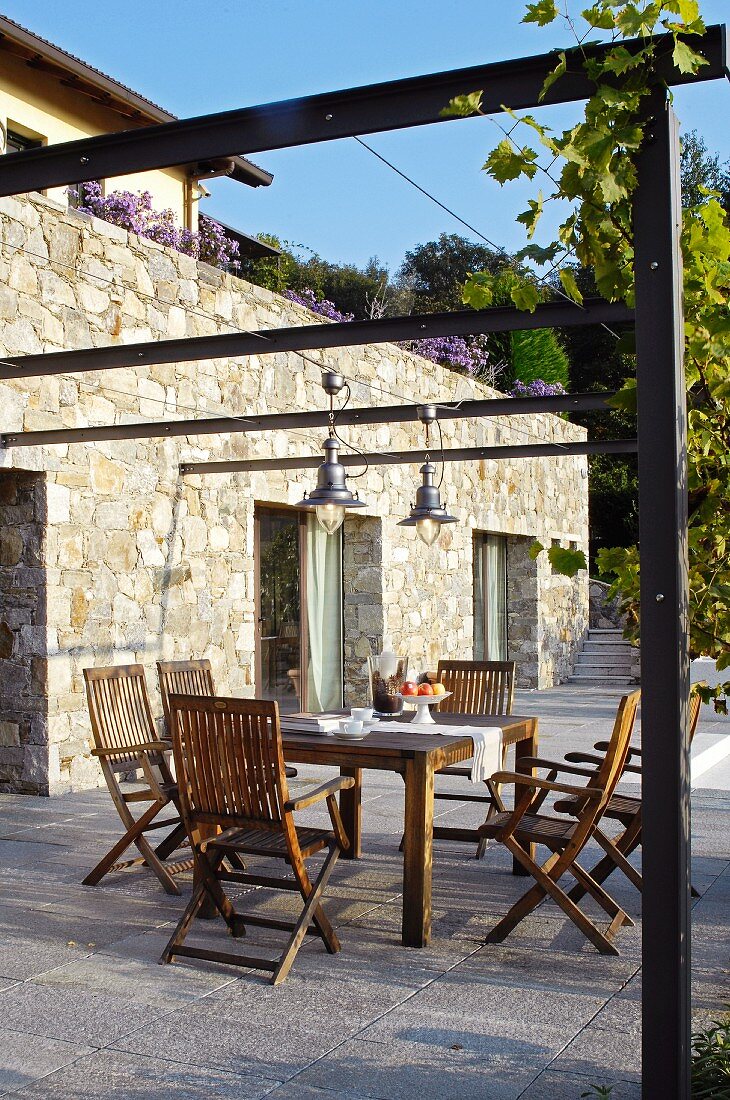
x=490 y=598
x=496 y=633
x=324 y=615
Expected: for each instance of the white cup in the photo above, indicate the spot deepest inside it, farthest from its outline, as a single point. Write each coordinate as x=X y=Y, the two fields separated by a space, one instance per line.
x=362 y=714
x=348 y=725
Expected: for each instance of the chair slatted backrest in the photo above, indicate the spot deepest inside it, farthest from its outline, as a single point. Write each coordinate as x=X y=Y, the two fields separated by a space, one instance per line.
x=479 y=687
x=119 y=708
x=610 y=769
x=229 y=759
x=695 y=706
x=183 y=678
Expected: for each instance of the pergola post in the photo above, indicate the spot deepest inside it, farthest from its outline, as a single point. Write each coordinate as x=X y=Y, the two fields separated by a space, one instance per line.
x=662 y=434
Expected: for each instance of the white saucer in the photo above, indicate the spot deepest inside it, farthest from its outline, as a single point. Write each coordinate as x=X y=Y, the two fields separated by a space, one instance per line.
x=350 y=736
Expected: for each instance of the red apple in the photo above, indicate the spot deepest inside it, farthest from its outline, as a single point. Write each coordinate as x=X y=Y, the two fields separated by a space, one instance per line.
x=410 y=687
x=425 y=689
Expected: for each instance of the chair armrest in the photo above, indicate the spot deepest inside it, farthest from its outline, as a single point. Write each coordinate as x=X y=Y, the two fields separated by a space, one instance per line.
x=589 y=758
x=602 y=746
x=556 y=766
x=545 y=784
x=327 y=790
x=584 y=757
x=134 y=750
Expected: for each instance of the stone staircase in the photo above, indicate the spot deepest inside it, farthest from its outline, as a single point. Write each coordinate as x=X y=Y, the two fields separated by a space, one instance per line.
x=604 y=658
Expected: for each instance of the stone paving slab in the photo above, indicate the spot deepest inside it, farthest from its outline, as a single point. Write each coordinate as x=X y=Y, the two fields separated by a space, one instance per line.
x=111 y=1073
x=90 y=1012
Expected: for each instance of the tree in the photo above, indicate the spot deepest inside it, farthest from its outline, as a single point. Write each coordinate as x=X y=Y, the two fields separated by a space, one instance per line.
x=702 y=169
x=434 y=273
x=592 y=167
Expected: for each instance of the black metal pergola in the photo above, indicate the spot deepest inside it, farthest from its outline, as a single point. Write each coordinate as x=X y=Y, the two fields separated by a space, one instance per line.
x=661 y=418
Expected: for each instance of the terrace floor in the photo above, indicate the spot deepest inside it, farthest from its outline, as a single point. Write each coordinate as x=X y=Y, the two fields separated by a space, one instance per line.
x=86 y=1011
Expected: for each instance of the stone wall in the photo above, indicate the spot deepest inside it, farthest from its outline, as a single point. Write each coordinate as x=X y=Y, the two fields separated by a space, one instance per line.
x=143 y=564
x=23 y=600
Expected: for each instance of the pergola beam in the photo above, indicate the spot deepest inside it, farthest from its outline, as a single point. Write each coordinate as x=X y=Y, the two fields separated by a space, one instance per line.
x=404 y=458
x=230 y=345
x=393 y=105
x=267 y=422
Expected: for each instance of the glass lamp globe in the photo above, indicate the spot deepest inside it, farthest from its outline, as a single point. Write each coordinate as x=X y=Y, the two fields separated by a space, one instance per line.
x=428 y=529
x=330 y=516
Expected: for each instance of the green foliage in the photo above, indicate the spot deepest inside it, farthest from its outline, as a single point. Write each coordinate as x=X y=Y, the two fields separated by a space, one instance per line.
x=711 y=1062
x=538 y=354
x=563 y=560
x=601 y=1091
x=702 y=172
x=592 y=166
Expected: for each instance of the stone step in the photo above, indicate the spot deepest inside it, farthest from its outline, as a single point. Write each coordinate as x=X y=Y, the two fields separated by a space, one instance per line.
x=606 y=630
x=596 y=666
x=592 y=678
x=594 y=657
x=605 y=648
x=598 y=671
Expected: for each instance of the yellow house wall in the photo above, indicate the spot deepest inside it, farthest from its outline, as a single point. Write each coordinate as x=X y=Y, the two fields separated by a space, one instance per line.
x=35 y=103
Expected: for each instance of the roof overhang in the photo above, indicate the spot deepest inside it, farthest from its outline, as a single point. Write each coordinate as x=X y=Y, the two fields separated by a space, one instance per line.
x=134 y=109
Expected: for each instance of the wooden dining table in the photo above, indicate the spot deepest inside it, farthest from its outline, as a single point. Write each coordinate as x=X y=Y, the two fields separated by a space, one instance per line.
x=416 y=756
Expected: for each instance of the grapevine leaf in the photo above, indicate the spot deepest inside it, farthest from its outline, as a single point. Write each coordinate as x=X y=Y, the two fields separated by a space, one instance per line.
x=599 y=17
x=570 y=286
x=463 y=106
x=478 y=291
x=507 y=163
x=686 y=59
x=566 y=562
x=525 y=296
x=625 y=398
x=551 y=77
x=542 y=13
x=535 y=549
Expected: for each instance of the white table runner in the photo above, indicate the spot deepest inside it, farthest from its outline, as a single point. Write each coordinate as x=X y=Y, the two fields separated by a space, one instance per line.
x=487 y=742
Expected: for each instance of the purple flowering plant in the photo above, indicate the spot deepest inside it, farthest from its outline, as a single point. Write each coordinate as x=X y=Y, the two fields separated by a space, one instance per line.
x=133 y=211
x=308 y=298
x=537 y=388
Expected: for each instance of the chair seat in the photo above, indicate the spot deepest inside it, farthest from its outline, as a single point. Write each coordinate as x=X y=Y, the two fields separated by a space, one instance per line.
x=269 y=842
x=532 y=827
x=620 y=807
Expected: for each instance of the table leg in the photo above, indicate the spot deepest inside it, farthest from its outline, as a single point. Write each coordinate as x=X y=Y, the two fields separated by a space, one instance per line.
x=351 y=813
x=523 y=748
x=418 y=851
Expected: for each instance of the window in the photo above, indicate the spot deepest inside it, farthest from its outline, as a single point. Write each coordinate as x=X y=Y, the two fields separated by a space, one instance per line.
x=490 y=597
x=17 y=143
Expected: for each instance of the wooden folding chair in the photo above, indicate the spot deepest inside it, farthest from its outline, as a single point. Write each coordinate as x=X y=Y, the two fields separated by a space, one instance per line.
x=626 y=809
x=126 y=740
x=230 y=768
x=189 y=678
x=564 y=838
x=479 y=687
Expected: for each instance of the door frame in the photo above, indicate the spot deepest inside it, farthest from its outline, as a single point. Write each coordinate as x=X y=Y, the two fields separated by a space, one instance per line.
x=301 y=516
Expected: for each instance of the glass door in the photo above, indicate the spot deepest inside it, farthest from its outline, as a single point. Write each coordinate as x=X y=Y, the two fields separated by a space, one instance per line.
x=299 y=647
x=490 y=598
x=279 y=608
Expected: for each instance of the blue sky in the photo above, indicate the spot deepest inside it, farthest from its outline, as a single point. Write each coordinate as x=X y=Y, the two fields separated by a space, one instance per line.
x=336 y=199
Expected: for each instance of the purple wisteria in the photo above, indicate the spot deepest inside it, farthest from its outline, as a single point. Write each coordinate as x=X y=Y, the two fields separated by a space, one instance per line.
x=133 y=211
x=468 y=354
x=537 y=388
x=308 y=298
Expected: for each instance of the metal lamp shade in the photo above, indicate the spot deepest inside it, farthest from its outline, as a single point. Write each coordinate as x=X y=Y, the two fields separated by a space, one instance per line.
x=427 y=514
x=331 y=497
